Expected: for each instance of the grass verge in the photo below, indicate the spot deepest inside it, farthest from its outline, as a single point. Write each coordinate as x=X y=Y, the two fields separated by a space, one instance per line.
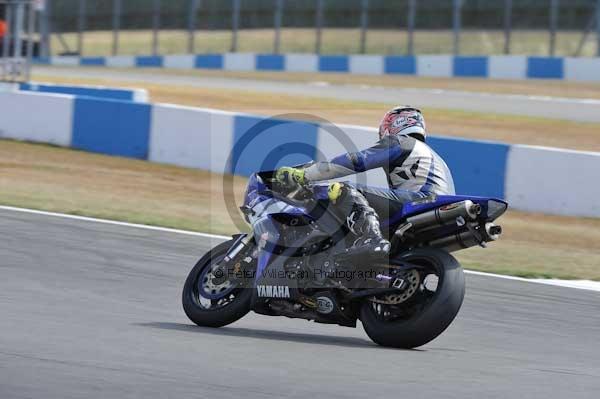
x=63 y=180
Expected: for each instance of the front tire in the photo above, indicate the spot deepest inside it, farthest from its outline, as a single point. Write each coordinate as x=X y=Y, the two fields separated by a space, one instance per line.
x=194 y=301
x=428 y=324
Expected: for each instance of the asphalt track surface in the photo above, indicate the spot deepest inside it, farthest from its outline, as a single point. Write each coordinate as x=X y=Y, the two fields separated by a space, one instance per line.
x=582 y=110
x=92 y=310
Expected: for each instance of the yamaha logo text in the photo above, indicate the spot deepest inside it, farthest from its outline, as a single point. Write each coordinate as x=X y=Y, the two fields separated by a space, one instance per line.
x=273 y=291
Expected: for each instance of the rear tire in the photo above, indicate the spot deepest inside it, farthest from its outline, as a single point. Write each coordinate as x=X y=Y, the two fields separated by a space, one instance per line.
x=435 y=318
x=220 y=316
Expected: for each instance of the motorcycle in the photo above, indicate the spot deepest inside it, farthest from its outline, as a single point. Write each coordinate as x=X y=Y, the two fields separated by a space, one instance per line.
x=295 y=264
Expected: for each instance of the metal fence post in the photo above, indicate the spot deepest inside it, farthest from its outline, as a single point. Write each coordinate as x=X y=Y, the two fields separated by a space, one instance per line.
x=81 y=15
x=412 y=13
x=277 y=24
x=553 y=23
x=30 y=32
x=44 y=13
x=507 y=25
x=116 y=25
x=586 y=33
x=364 y=23
x=50 y=26
x=18 y=30
x=598 y=28
x=235 y=25
x=319 y=27
x=193 y=10
x=155 y=26
x=456 y=23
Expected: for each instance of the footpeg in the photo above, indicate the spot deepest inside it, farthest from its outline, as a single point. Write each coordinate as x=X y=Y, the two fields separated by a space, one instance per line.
x=307 y=301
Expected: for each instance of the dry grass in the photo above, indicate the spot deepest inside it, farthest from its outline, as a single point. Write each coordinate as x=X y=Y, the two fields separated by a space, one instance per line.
x=63 y=180
x=335 y=41
x=531 y=87
x=75 y=182
x=541 y=246
x=510 y=129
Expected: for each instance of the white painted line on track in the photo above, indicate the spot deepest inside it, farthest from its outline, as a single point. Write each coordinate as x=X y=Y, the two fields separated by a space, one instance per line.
x=576 y=284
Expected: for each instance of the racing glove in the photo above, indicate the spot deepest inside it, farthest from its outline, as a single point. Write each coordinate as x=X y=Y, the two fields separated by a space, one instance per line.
x=289 y=177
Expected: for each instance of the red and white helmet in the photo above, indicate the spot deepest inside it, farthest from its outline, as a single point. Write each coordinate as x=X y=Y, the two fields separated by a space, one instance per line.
x=405 y=121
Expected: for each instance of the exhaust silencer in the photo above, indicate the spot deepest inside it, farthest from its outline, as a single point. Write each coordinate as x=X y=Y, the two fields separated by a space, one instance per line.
x=467 y=239
x=446 y=215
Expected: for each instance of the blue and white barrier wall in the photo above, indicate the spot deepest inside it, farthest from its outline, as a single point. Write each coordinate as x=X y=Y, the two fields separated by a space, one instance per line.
x=536 y=179
x=136 y=95
x=492 y=67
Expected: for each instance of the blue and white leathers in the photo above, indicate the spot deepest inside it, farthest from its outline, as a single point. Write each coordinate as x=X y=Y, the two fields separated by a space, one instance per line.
x=410 y=165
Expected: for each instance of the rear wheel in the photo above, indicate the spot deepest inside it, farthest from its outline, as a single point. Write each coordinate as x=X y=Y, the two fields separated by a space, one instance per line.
x=434 y=294
x=210 y=298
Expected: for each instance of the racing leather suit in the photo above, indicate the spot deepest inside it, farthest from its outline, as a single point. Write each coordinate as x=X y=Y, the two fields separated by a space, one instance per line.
x=413 y=171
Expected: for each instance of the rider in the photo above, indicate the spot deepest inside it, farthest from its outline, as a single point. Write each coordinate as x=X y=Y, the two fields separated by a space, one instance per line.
x=413 y=169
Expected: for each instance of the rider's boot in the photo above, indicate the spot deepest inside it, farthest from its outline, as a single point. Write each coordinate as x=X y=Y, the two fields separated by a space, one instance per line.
x=370 y=241
x=362 y=220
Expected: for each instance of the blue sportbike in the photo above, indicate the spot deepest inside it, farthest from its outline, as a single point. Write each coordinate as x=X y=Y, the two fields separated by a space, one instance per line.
x=293 y=264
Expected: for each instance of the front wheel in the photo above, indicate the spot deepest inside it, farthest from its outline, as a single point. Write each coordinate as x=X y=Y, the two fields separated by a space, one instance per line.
x=435 y=293
x=209 y=297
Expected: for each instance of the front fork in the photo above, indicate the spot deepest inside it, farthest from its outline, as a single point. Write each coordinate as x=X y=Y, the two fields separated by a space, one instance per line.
x=236 y=266
x=241 y=242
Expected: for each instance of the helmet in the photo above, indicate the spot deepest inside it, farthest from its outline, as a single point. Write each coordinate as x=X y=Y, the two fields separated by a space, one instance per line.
x=404 y=121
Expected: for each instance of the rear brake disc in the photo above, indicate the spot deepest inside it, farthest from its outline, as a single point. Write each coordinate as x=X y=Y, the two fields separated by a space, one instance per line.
x=413 y=278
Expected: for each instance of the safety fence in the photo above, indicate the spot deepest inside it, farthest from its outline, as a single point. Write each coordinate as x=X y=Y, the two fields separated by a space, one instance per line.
x=530 y=178
x=482 y=27
x=493 y=67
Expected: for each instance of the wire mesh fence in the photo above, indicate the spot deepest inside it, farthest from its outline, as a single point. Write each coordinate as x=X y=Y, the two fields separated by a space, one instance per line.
x=18 y=39
x=469 y=27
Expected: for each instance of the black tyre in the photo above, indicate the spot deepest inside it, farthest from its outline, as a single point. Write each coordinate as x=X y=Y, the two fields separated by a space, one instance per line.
x=214 y=305
x=432 y=311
